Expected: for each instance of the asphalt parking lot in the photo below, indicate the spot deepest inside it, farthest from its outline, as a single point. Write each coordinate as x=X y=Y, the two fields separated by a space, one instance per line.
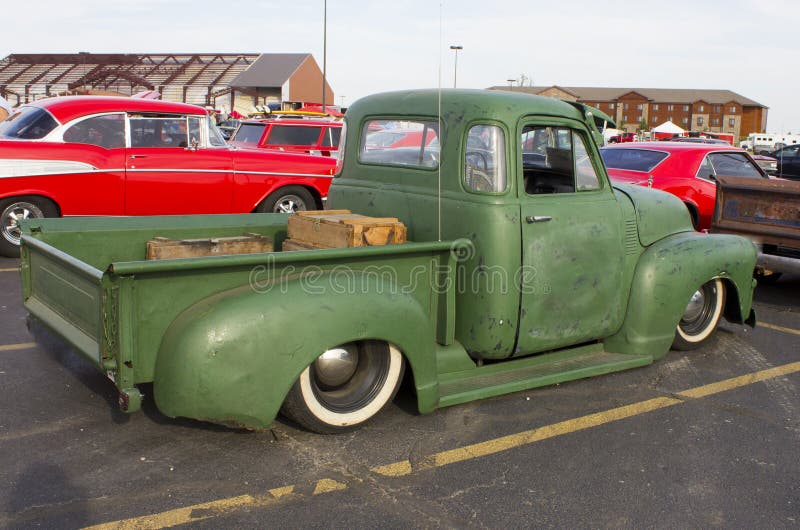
x=709 y=438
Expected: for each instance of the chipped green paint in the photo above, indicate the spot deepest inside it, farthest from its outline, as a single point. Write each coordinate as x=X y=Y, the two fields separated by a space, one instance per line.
x=498 y=305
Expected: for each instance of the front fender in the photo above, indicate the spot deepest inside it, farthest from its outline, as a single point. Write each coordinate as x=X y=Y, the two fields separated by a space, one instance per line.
x=668 y=273
x=232 y=358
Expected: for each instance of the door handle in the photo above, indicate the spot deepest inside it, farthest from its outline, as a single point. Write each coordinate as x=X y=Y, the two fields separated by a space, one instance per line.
x=138 y=156
x=538 y=218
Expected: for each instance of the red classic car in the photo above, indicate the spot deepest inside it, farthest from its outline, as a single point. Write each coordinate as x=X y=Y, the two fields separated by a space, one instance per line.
x=687 y=170
x=87 y=155
x=297 y=135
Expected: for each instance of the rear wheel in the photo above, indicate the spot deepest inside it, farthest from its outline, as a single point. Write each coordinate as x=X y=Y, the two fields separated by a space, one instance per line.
x=701 y=316
x=16 y=209
x=345 y=387
x=290 y=199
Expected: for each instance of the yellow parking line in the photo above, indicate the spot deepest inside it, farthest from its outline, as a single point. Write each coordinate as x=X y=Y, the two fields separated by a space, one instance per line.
x=20 y=346
x=779 y=328
x=207 y=510
x=15 y=269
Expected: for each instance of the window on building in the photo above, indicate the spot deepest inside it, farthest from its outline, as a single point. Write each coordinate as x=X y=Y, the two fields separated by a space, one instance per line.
x=685 y=120
x=625 y=106
x=670 y=107
x=732 y=109
x=716 y=108
x=655 y=107
x=655 y=119
x=686 y=108
x=700 y=120
x=639 y=118
x=701 y=108
x=639 y=106
x=625 y=118
x=611 y=106
x=731 y=122
x=597 y=105
x=714 y=121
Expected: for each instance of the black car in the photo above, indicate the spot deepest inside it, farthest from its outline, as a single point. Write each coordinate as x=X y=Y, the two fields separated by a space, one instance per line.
x=788 y=162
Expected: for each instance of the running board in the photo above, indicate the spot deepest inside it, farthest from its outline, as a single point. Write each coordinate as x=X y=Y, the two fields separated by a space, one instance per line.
x=531 y=372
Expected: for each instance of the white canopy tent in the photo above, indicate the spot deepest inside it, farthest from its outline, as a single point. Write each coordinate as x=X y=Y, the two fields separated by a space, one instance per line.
x=668 y=127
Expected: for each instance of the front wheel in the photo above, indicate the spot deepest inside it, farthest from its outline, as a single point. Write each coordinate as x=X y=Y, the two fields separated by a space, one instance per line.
x=701 y=316
x=14 y=210
x=290 y=199
x=345 y=387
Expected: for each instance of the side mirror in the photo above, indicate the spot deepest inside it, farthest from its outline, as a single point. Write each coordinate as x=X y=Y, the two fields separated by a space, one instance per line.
x=194 y=145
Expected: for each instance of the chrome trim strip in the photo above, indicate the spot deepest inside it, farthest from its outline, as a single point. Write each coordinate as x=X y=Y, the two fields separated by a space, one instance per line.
x=16 y=167
x=268 y=173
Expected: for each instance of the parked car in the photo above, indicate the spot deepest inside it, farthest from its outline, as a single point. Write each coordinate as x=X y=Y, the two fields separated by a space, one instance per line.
x=687 y=170
x=87 y=155
x=228 y=127
x=622 y=138
x=320 y=137
x=699 y=140
x=787 y=162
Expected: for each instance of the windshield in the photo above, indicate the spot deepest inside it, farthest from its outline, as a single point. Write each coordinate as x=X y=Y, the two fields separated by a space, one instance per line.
x=29 y=123
x=215 y=138
x=632 y=159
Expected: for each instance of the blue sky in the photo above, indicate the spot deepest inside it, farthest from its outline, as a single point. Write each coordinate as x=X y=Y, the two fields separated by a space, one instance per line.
x=750 y=47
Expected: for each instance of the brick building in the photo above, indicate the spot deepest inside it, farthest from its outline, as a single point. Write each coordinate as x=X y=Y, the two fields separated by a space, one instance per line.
x=718 y=111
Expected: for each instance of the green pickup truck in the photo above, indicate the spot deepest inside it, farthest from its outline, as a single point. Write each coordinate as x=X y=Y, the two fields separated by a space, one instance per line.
x=525 y=267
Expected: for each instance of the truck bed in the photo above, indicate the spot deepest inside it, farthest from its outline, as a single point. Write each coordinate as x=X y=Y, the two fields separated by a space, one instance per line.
x=87 y=280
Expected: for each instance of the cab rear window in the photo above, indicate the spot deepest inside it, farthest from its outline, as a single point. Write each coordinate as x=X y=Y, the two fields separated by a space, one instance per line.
x=400 y=143
x=632 y=159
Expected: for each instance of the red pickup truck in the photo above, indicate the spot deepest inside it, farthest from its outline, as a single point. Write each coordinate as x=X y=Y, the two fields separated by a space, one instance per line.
x=622 y=138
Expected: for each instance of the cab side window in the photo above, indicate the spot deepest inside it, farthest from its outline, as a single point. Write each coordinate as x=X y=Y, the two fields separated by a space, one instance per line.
x=485 y=159
x=106 y=131
x=556 y=160
x=547 y=163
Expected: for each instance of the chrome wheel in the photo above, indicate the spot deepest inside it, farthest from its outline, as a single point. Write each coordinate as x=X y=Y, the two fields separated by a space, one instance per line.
x=290 y=204
x=345 y=386
x=13 y=214
x=701 y=315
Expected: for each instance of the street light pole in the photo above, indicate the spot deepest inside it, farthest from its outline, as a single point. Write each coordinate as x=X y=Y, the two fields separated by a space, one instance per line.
x=324 y=49
x=455 y=67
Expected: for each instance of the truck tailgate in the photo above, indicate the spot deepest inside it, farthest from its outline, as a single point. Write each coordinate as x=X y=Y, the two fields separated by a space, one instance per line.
x=767 y=211
x=66 y=294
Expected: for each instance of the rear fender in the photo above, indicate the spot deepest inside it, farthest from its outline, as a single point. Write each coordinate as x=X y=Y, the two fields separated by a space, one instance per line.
x=232 y=358
x=667 y=275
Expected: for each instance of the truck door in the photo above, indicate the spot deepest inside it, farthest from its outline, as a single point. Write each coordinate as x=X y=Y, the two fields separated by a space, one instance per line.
x=572 y=245
x=171 y=170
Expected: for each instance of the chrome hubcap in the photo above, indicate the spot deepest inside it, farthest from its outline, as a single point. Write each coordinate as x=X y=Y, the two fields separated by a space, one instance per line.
x=290 y=204
x=336 y=367
x=15 y=213
x=695 y=307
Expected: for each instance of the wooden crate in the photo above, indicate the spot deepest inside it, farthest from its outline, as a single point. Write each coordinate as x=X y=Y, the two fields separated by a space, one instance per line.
x=296 y=244
x=165 y=248
x=342 y=228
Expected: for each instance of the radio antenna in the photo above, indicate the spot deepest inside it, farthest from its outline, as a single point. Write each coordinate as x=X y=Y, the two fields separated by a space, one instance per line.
x=439 y=132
